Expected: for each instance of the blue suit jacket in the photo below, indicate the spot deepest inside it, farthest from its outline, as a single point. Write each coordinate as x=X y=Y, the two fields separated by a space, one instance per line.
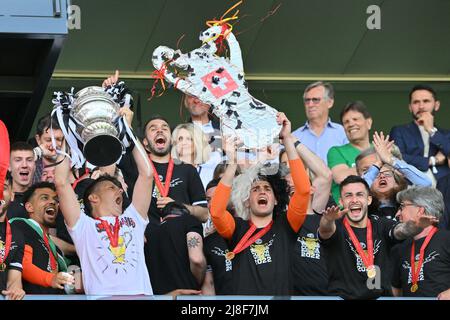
x=407 y=137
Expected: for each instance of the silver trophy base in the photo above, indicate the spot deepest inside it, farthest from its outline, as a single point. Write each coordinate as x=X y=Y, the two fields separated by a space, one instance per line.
x=103 y=150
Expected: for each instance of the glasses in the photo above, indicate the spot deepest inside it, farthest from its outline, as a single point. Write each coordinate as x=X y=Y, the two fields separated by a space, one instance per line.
x=386 y=174
x=403 y=205
x=313 y=100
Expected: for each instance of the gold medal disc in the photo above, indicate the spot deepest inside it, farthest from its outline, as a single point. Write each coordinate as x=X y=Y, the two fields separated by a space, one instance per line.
x=371 y=272
x=414 y=287
x=2 y=267
x=229 y=255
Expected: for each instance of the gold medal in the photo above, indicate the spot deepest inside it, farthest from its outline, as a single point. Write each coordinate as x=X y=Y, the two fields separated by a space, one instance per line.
x=414 y=287
x=371 y=272
x=2 y=267
x=229 y=255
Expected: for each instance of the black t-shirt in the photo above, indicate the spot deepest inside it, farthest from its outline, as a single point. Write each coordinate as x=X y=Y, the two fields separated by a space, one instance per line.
x=166 y=254
x=309 y=269
x=16 y=208
x=264 y=268
x=41 y=258
x=347 y=275
x=215 y=248
x=434 y=276
x=15 y=255
x=185 y=187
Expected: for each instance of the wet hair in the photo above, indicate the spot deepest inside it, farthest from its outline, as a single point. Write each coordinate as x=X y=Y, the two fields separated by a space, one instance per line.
x=354 y=179
x=423 y=87
x=39 y=185
x=92 y=187
x=357 y=106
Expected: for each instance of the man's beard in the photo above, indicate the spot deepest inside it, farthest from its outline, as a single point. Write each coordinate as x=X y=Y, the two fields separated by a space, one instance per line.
x=416 y=116
x=158 y=153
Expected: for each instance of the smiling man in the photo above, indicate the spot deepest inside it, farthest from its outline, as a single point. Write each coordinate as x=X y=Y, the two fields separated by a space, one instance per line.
x=44 y=269
x=357 y=247
x=357 y=123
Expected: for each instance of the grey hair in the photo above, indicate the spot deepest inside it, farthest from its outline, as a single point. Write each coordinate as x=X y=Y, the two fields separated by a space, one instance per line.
x=329 y=90
x=429 y=198
x=240 y=191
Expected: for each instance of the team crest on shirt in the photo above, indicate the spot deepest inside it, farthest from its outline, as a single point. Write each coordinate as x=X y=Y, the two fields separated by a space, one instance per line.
x=407 y=266
x=261 y=252
x=309 y=247
x=221 y=253
x=359 y=263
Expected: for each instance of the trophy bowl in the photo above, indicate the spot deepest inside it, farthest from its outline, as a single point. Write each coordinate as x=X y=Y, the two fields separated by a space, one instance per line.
x=95 y=113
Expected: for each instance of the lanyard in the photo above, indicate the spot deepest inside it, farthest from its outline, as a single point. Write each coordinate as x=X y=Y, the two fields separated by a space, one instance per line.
x=415 y=272
x=163 y=189
x=113 y=233
x=367 y=259
x=246 y=241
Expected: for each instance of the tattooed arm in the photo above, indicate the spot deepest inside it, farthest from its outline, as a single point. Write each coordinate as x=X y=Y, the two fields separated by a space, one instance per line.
x=196 y=257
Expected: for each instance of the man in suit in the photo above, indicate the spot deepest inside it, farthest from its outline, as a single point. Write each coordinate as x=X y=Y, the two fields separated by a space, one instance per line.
x=421 y=143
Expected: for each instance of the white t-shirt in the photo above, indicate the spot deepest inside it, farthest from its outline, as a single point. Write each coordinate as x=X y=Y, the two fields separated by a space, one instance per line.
x=121 y=271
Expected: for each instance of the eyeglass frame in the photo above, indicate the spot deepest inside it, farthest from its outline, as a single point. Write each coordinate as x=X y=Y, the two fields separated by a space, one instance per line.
x=392 y=174
x=403 y=205
x=313 y=100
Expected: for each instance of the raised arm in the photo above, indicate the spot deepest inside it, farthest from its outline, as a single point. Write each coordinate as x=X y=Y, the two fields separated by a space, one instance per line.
x=327 y=226
x=298 y=205
x=322 y=177
x=222 y=219
x=68 y=202
x=143 y=186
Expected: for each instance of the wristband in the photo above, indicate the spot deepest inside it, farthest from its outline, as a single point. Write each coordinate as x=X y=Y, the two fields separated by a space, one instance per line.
x=296 y=143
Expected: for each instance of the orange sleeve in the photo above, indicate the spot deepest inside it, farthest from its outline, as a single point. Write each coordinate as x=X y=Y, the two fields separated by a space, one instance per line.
x=298 y=205
x=222 y=219
x=34 y=274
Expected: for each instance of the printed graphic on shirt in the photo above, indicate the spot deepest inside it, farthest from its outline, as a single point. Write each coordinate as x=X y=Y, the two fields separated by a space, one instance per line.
x=407 y=266
x=176 y=181
x=309 y=247
x=3 y=248
x=125 y=255
x=261 y=252
x=221 y=253
x=359 y=263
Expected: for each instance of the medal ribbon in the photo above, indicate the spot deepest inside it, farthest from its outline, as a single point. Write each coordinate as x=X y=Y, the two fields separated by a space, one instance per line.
x=246 y=241
x=163 y=189
x=113 y=235
x=367 y=260
x=7 y=242
x=415 y=272
x=53 y=264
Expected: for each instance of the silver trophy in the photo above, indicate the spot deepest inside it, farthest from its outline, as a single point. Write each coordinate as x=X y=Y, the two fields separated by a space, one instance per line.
x=96 y=114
